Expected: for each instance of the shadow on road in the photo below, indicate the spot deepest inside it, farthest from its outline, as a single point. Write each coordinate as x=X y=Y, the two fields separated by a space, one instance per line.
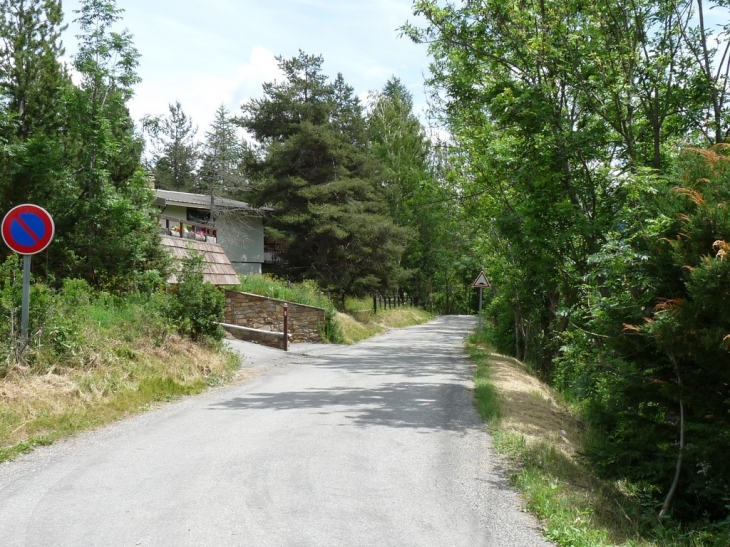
x=408 y=404
x=422 y=381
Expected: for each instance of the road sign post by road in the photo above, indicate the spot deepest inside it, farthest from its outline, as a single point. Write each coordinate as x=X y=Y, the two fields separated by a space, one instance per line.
x=480 y=283
x=27 y=229
x=286 y=327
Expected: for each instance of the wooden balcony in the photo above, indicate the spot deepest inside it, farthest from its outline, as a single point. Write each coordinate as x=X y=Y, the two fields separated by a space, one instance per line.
x=187 y=229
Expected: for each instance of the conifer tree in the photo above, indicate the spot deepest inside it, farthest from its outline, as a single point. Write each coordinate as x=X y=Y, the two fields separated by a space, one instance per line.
x=415 y=198
x=316 y=172
x=30 y=74
x=176 y=151
x=32 y=86
x=223 y=169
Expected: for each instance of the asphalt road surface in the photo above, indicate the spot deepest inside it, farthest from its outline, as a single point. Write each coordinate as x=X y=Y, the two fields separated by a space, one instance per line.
x=371 y=445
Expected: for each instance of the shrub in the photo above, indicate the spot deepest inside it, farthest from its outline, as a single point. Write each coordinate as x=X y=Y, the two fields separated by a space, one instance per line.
x=197 y=306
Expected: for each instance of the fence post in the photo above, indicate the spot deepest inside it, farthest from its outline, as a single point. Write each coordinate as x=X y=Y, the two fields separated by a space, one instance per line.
x=286 y=327
x=375 y=304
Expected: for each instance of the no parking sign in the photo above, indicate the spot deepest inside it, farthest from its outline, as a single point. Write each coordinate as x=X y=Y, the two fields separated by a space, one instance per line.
x=27 y=229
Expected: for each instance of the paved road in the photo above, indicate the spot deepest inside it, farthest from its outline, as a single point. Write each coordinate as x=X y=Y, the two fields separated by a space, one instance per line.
x=372 y=445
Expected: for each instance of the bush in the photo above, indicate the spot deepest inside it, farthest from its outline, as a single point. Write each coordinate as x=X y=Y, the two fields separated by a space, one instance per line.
x=197 y=306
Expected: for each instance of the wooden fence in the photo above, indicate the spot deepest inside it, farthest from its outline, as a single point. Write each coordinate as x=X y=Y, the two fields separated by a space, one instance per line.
x=389 y=302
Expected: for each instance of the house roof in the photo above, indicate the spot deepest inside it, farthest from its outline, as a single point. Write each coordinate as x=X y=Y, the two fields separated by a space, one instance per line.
x=217 y=268
x=202 y=201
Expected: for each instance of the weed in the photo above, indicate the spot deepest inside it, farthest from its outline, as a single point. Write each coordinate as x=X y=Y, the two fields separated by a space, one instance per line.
x=577 y=509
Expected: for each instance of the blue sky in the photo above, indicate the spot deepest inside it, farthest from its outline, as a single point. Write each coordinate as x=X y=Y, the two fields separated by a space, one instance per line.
x=210 y=52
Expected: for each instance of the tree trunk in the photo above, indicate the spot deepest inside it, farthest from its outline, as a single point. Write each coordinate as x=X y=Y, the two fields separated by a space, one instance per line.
x=678 y=471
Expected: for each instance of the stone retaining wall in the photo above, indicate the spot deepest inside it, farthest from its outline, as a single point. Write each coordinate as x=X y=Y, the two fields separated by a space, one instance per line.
x=260 y=312
x=271 y=339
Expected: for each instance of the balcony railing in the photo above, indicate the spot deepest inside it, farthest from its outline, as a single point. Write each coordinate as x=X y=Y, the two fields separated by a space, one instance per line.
x=274 y=253
x=187 y=229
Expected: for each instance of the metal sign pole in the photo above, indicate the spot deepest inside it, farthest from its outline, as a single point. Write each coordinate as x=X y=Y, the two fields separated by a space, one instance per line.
x=26 y=299
x=286 y=327
x=481 y=292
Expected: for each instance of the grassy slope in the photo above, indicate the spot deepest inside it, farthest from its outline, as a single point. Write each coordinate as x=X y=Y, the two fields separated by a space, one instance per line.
x=542 y=439
x=125 y=361
x=362 y=325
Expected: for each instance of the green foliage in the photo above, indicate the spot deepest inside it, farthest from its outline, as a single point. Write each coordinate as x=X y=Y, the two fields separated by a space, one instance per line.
x=73 y=149
x=176 y=152
x=59 y=321
x=197 y=306
x=30 y=73
x=663 y=367
x=306 y=292
x=566 y=120
x=315 y=172
x=575 y=506
x=415 y=198
x=225 y=158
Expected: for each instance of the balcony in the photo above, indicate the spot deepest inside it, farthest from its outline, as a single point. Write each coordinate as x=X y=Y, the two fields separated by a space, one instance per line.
x=274 y=252
x=187 y=229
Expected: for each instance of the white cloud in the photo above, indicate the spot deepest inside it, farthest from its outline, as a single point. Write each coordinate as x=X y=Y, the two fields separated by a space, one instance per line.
x=220 y=52
x=200 y=93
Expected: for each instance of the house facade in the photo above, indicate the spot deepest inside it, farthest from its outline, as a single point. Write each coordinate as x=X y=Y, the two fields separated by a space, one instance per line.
x=234 y=225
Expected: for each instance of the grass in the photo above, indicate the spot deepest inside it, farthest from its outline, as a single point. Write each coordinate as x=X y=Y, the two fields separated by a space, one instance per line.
x=122 y=359
x=542 y=441
x=349 y=326
x=485 y=393
x=358 y=322
x=306 y=293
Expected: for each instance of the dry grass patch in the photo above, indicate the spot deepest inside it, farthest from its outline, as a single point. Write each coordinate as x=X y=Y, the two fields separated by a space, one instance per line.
x=360 y=325
x=119 y=380
x=530 y=409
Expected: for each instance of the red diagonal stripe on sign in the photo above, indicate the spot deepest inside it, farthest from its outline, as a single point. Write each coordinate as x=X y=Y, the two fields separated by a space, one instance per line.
x=25 y=227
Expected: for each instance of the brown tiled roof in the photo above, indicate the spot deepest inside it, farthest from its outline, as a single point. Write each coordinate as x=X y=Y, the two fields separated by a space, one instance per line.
x=216 y=267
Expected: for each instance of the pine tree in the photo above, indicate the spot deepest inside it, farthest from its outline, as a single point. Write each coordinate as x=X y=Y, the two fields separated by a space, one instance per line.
x=318 y=175
x=414 y=196
x=223 y=169
x=32 y=88
x=31 y=77
x=176 y=152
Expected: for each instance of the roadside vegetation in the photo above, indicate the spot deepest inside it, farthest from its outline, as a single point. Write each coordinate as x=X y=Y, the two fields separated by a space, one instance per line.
x=93 y=358
x=352 y=324
x=358 y=322
x=544 y=440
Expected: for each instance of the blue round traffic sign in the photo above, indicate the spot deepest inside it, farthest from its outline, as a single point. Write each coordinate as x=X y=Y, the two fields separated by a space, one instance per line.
x=27 y=229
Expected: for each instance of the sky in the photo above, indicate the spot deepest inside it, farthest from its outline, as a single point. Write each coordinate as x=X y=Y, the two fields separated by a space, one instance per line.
x=205 y=53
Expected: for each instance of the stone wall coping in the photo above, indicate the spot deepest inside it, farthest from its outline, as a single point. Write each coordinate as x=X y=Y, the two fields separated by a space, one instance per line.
x=249 y=329
x=277 y=300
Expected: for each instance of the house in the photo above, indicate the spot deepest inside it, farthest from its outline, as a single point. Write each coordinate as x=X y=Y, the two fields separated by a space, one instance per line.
x=235 y=226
